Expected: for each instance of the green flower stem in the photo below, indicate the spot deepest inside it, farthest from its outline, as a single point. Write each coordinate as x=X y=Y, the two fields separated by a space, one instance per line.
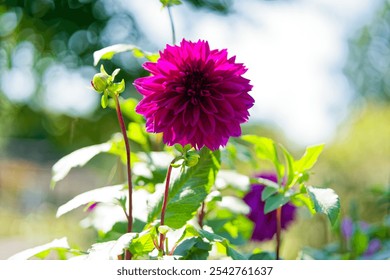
x=278 y=231
x=165 y=203
x=172 y=25
x=128 y=165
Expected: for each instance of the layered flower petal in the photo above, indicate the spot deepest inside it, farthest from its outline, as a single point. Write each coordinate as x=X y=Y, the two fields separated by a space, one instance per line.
x=195 y=95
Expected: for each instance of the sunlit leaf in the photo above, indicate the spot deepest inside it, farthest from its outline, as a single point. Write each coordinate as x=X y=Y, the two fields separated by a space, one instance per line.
x=268 y=191
x=262 y=256
x=55 y=244
x=265 y=149
x=167 y=3
x=111 y=249
x=289 y=170
x=360 y=242
x=309 y=158
x=303 y=200
x=143 y=244
x=189 y=190
x=274 y=202
x=230 y=251
x=109 y=52
x=128 y=109
x=325 y=201
x=105 y=194
x=138 y=135
x=194 y=248
x=104 y=100
x=77 y=158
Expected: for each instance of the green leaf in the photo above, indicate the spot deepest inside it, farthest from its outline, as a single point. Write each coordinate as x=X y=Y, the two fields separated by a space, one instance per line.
x=191 y=232
x=77 y=158
x=115 y=73
x=265 y=149
x=194 y=248
x=106 y=195
x=262 y=256
x=55 y=244
x=289 y=170
x=179 y=148
x=111 y=249
x=325 y=201
x=212 y=237
x=303 y=200
x=264 y=181
x=274 y=202
x=143 y=244
x=104 y=100
x=189 y=190
x=169 y=3
x=309 y=158
x=136 y=133
x=268 y=191
x=109 y=52
x=360 y=242
x=235 y=255
x=128 y=109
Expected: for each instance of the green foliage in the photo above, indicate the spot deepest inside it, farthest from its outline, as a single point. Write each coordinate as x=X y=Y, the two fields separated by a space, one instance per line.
x=189 y=190
x=275 y=201
x=309 y=158
x=266 y=149
x=143 y=244
x=43 y=250
x=203 y=241
x=194 y=248
x=77 y=158
x=325 y=201
x=292 y=175
x=110 y=250
x=108 y=53
x=109 y=194
x=262 y=256
x=168 y=3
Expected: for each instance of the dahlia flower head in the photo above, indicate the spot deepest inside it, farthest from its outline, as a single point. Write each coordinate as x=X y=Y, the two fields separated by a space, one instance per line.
x=265 y=224
x=194 y=95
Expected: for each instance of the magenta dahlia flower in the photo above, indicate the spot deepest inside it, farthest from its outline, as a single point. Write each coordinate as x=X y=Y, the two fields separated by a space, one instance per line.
x=194 y=95
x=265 y=224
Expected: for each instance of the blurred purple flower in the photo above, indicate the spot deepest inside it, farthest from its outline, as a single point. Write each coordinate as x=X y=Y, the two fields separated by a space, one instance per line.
x=265 y=225
x=373 y=247
x=347 y=228
x=195 y=95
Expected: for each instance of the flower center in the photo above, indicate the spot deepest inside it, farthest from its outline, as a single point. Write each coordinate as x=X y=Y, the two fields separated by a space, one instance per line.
x=195 y=86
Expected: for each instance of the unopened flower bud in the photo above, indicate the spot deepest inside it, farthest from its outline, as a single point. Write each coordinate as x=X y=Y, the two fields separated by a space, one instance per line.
x=100 y=82
x=192 y=159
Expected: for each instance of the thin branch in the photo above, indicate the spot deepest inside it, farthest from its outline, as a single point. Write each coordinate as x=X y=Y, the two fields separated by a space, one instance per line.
x=278 y=231
x=165 y=203
x=128 y=166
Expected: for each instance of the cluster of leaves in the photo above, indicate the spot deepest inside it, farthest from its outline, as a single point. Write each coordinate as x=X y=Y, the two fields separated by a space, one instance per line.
x=292 y=177
x=205 y=212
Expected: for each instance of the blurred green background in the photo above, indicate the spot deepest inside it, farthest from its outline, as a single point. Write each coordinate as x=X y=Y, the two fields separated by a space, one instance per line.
x=45 y=44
